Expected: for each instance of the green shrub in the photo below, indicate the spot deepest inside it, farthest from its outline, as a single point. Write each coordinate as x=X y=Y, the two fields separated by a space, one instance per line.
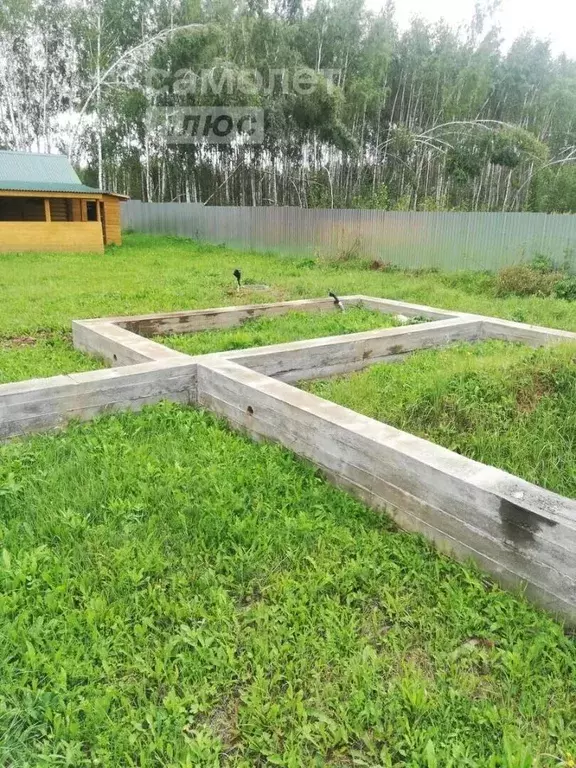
x=566 y=289
x=523 y=280
x=542 y=263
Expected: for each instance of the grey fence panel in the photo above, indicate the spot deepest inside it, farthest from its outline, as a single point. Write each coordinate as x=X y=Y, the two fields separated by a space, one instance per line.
x=448 y=241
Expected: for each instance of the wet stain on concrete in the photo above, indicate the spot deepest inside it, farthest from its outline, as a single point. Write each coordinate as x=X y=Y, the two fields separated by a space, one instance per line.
x=520 y=524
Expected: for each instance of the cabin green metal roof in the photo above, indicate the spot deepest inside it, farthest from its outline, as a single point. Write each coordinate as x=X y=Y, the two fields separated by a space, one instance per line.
x=28 y=172
x=29 y=186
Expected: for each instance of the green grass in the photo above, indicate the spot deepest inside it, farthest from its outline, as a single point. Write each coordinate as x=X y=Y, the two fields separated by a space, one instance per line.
x=156 y=274
x=43 y=293
x=500 y=403
x=176 y=595
x=28 y=357
x=292 y=326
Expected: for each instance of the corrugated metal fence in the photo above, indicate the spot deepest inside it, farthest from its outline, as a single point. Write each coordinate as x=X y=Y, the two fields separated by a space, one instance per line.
x=448 y=241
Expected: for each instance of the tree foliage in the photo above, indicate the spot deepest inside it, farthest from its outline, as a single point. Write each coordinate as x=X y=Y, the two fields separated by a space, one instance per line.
x=428 y=119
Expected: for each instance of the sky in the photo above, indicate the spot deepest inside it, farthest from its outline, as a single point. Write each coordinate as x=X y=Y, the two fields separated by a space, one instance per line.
x=552 y=19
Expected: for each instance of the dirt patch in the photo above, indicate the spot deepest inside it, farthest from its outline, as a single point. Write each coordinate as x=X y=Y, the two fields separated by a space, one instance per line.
x=248 y=293
x=272 y=293
x=14 y=342
x=381 y=266
x=19 y=341
x=527 y=398
x=222 y=722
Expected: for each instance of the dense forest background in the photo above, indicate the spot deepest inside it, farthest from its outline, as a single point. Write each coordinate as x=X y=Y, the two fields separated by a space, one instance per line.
x=433 y=118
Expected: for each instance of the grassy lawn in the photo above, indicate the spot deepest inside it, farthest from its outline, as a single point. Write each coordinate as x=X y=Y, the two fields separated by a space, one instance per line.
x=27 y=357
x=42 y=294
x=500 y=403
x=155 y=274
x=175 y=595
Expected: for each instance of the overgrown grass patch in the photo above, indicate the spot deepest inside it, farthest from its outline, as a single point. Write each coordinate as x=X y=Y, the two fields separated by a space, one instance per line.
x=176 y=595
x=500 y=403
x=293 y=326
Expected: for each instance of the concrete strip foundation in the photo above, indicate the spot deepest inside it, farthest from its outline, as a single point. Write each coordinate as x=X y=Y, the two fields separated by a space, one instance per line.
x=515 y=530
x=41 y=404
x=521 y=534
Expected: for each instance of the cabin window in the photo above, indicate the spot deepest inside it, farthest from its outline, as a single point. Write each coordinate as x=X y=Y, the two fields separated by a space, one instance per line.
x=21 y=209
x=91 y=210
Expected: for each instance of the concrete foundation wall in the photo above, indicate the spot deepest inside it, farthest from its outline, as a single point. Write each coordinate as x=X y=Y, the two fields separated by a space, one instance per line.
x=522 y=535
x=221 y=317
x=334 y=355
x=41 y=404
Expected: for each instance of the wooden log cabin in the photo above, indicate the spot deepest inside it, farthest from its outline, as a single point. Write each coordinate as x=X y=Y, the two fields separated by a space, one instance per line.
x=44 y=207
